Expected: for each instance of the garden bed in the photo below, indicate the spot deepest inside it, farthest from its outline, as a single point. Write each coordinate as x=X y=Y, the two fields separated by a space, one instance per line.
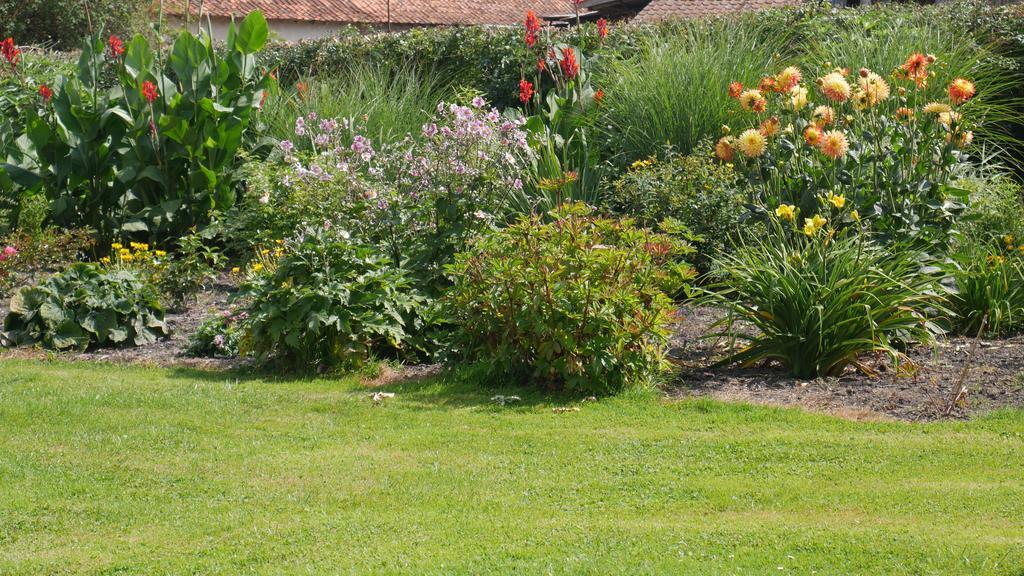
x=994 y=378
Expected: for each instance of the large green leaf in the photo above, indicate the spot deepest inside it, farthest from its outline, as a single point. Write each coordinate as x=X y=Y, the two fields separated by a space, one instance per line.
x=252 y=34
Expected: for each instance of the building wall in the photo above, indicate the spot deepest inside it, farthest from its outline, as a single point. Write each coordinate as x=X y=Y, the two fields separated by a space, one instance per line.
x=287 y=30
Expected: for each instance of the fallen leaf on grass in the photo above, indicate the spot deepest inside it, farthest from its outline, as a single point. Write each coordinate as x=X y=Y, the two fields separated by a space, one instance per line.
x=381 y=396
x=564 y=409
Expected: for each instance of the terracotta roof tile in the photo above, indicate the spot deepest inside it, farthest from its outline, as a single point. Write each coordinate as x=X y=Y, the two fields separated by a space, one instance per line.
x=663 y=9
x=425 y=12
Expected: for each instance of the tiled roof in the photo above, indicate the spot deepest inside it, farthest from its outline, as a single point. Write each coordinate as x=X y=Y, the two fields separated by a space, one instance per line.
x=426 y=12
x=663 y=9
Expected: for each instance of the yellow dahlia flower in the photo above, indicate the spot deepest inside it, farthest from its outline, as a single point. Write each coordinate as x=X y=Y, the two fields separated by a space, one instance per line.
x=961 y=90
x=812 y=135
x=751 y=143
x=753 y=100
x=936 y=108
x=798 y=98
x=823 y=115
x=770 y=127
x=835 y=87
x=788 y=78
x=724 y=149
x=949 y=119
x=875 y=88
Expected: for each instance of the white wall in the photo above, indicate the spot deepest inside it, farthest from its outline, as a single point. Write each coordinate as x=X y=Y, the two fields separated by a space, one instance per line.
x=287 y=30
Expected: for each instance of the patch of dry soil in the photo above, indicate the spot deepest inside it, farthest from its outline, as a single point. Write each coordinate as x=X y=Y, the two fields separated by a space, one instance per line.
x=994 y=378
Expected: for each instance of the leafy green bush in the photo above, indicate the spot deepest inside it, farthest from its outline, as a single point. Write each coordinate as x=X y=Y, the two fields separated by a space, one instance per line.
x=578 y=302
x=59 y=23
x=989 y=293
x=153 y=155
x=817 y=304
x=86 y=305
x=996 y=208
x=327 y=302
x=694 y=189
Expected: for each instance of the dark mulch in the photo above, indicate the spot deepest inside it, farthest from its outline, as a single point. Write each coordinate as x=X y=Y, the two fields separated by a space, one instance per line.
x=994 y=378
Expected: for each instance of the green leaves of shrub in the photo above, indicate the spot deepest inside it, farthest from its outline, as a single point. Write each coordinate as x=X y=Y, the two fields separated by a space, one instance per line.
x=989 y=294
x=576 y=303
x=816 y=305
x=329 y=302
x=83 y=306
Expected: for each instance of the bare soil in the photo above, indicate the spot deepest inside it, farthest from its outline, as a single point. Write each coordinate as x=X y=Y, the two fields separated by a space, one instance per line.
x=994 y=378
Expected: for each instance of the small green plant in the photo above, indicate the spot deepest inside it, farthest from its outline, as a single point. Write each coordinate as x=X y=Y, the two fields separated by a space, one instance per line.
x=218 y=336
x=25 y=255
x=693 y=189
x=577 y=303
x=327 y=302
x=815 y=303
x=192 y=267
x=989 y=294
x=86 y=305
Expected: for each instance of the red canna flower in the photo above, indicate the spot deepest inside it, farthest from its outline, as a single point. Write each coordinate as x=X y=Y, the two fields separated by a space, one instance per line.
x=525 y=90
x=10 y=52
x=602 y=28
x=599 y=96
x=301 y=88
x=570 y=68
x=46 y=93
x=532 y=28
x=116 y=46
x=149 y=91
x=540 y=65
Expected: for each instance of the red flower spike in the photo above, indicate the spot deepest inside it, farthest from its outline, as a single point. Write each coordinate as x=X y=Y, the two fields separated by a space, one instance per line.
x=570 y=68
x=116 y=46
x=149 y=91
x=46 y=93
x=525 y=91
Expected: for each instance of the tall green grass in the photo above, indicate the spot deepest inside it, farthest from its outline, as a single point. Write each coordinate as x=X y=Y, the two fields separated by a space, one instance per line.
x=389 y=100
x=673 y=91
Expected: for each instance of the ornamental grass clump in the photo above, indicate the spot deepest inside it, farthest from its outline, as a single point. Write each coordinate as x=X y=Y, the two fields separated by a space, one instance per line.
x=577 y=303
x=880 y=143
x=989 y=287
x=816 y=301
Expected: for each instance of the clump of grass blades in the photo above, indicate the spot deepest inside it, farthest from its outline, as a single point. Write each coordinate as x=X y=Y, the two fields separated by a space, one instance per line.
x=389 y=100
x=817 y=305
x=673 y=90
x=989 y=295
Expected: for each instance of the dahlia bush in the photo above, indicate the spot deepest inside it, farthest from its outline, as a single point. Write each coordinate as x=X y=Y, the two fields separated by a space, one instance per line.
x=870 y=144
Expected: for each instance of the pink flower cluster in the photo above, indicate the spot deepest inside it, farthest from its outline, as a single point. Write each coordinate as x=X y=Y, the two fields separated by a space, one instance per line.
x=8 y=253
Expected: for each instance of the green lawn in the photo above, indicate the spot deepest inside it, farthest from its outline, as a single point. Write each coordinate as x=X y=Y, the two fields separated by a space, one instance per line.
x=108 y=470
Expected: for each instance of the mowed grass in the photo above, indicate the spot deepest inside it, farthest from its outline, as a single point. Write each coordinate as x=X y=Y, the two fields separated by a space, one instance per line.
x=113 y=470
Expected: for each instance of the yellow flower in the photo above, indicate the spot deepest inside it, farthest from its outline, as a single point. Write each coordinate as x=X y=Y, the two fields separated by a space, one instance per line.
x=855 y=215
x=753 y=100
x=638 y=165
x=236 y=270
x=823 y=116
x=798 y=98
x=724 y=149
x=812 y=225
x=105 y=260
x=812 y=135
x=961 y=90
x=834 y=144
x=936 y=108
x=962 y=140
x=116 y=246
x=1008 y=239
x=257 y=267
x=770 y=127
x=786 y=212
x=788 y=78
x=127 y=257
x=904 y=114
x=160 y=253
x=751 y=143
x=948 y=119
x=835 y=87
x=874 y=88
x=837 y=200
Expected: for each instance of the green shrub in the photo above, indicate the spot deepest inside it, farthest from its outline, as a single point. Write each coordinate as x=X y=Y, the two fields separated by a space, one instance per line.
x=59 y=23
x=86 y=305
x=576 y=303
x=694 y=189
x=816 y=305
x=996 y=208
x=989 y=292
x=327 y=302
